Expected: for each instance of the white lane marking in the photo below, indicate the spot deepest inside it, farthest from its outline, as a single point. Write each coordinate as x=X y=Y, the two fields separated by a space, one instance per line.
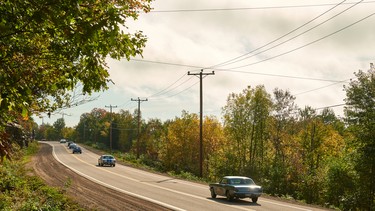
x=115 y=188
x=163 y=188
x=91 y=154
x=285 y=205
x=139 y=171
x=132 y=179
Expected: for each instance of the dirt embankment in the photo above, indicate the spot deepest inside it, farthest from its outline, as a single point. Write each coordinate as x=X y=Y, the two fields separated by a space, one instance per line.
x=90 y=195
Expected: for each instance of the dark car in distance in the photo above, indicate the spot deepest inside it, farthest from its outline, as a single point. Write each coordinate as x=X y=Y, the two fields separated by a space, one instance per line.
x=106 y=160
x=236 y=187
x=72 y=146
x=77 y=149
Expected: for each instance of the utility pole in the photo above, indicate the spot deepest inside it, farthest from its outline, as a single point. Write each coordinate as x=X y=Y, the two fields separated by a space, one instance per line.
x=201 y=74
x=139 y=121
x=84 y=132
x=63 y=114
x=110 y=130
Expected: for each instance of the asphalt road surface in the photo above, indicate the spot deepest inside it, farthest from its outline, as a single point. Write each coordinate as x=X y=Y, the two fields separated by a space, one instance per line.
x=166 y=191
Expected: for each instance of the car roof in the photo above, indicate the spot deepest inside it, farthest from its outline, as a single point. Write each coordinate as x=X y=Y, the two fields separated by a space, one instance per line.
x=236 y=177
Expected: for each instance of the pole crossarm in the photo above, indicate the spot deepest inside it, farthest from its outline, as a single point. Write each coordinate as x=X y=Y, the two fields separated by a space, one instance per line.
x=201 y=74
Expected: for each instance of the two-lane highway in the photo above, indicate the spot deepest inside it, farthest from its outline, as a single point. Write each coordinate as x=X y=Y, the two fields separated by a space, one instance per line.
x=166 y=191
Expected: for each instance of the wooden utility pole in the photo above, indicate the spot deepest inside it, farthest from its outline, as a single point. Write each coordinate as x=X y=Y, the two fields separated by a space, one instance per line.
x=139 y=121
x=110 y=130
x=201 y=74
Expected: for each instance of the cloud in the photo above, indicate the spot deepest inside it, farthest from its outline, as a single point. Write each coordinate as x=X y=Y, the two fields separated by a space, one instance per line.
x=206 y=38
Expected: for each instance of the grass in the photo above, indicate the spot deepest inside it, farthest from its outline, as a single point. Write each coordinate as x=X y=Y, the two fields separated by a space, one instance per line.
x=20 y=190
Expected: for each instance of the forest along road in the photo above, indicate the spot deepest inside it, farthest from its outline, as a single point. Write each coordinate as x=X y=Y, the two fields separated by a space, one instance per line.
x=160 y=190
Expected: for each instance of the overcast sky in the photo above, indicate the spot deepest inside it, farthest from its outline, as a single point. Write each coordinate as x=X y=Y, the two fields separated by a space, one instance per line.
x=306 y=47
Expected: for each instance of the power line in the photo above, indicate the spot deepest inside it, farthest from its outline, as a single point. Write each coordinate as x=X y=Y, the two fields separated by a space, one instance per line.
x=277 y=75
x=295 y=49
x=343 y=81
x=159 y=93
x=166 y=63
x=165 y=91
x=231 y=61
x=256 y=73
x=331 y=106
x=231 y=70
x=247 y=8
x=310 y=43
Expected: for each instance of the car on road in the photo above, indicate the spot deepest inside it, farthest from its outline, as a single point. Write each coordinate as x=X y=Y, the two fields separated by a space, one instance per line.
x=77 y=149
x=107 y=160
x=72 y=146
x=63 y=141
x=236 y=187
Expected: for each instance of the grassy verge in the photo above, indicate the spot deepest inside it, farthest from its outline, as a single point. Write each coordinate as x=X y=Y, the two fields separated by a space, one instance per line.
x=19 y=190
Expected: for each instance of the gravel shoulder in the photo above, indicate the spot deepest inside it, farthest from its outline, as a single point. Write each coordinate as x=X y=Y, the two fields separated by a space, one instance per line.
x=90 y=195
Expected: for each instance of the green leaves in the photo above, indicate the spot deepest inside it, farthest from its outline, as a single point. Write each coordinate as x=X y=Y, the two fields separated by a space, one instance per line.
x=360 y=116
x=47 y=48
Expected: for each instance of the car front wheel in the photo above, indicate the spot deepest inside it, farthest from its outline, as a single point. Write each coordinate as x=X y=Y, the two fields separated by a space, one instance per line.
x=229 y=197
x=254 y=199
x=213 y=194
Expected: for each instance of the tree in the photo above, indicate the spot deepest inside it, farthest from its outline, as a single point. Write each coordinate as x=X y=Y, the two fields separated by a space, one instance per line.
x=49 y=48
x=151 y=139
x=245 y=121
x=281 y=130
x=360 y=115
x=59 y=125
x=214 y=144
x=181 y=149
x=92 y=127
x=127 y=128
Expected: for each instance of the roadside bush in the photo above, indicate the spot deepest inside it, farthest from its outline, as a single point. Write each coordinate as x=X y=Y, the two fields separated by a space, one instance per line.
x=19 y=190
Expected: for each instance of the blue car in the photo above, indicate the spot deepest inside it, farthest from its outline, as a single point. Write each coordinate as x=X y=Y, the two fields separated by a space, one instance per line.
x=107 y=160
x=77 y=149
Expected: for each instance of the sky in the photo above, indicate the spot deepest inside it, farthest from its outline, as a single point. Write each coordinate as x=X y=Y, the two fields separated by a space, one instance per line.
x=310 y=48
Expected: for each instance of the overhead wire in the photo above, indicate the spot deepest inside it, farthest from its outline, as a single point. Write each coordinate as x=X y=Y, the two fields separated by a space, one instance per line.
x=337 y=31
x=290 y=51
x=247 y=8
x=329 y=85
x=257 y=73
x=178 y=92
x=298 y=35
x=310 y=43
x=164 y=91
x=231 y=61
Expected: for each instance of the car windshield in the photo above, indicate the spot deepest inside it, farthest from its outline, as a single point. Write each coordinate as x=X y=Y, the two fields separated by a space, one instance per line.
x=107 y=157
x=242 y=181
